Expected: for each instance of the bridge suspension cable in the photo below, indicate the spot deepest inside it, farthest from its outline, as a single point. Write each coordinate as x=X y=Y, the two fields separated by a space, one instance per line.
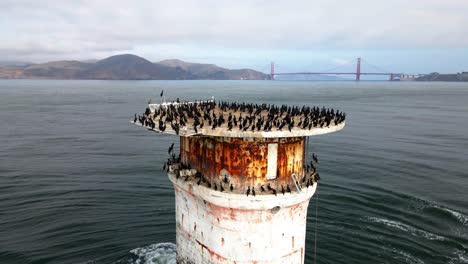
x=375 y=67
x=331 y=70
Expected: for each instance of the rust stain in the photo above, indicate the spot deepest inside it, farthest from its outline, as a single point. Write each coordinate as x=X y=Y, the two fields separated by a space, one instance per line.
x=245 y=161
x=294 y=211
x=291 y=253
x=181 y=228
x=222 y=241
x=231 y=214
x=221 y=258
x=189 y=193
x=211 y=252
x=293 y=242
x=234 y=214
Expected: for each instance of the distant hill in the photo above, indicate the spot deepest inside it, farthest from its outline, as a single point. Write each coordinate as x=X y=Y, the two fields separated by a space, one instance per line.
x=131 y=67
x=195 y=68
x=127 y=67
x=438 y=77
x=213 y=72
x=15 y=63
x=54 y=70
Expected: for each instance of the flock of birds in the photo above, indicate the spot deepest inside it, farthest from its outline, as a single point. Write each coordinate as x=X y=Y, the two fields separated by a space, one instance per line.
x=242 y=116
x=308 y=179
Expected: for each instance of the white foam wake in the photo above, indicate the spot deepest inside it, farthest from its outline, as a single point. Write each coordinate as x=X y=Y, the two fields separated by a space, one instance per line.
x=404 y=256
x=403 y=227
x=463 y=219
x=420 y=205
x=461 y=257
x=162 y=253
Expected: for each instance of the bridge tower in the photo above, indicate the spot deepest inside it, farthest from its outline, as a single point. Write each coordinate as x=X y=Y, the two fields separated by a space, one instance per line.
x=358 y=69
x=272 y=71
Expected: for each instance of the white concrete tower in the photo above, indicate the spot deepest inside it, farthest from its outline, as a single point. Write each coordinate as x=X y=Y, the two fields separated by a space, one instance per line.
x=230 y=175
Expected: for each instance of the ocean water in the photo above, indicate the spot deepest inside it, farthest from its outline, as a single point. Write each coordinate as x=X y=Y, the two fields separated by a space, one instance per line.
x=79 y=184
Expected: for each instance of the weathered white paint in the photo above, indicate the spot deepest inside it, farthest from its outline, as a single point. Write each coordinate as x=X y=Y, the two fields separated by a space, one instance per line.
x=223 y=227
x=272 y=159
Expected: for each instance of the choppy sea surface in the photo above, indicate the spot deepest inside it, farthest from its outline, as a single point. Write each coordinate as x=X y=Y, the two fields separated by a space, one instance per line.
x=79 y=184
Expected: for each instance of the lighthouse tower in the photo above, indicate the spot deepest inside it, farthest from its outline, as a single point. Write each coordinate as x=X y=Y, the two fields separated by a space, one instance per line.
x=241 y=179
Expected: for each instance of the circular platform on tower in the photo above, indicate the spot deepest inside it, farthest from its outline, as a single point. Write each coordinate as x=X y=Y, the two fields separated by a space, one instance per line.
x=239 y=120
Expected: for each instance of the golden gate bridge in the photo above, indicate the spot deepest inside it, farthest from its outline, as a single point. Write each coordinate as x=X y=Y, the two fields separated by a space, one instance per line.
x=392 y=76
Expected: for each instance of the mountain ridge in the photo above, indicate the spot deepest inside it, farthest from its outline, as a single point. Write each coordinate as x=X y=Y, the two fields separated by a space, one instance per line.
x=127 y=67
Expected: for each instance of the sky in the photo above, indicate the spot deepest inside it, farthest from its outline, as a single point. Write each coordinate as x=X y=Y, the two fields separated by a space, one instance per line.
x=417 y=36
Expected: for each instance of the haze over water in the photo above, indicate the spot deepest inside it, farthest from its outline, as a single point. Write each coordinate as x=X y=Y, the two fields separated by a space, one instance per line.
x=79 y=184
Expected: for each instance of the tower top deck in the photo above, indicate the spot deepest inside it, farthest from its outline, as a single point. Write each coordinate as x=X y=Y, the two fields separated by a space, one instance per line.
x=239 y=120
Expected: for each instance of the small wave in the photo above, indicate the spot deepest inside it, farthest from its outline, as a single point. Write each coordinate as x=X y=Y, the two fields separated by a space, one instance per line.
x=463 y=219
x=419 y=204
x=422 y=205
x=460 y=257
x=162 y=253
x=405 y=256
x=403 y=227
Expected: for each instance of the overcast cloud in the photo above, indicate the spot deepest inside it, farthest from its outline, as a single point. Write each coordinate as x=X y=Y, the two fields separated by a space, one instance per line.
x=236 y=33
